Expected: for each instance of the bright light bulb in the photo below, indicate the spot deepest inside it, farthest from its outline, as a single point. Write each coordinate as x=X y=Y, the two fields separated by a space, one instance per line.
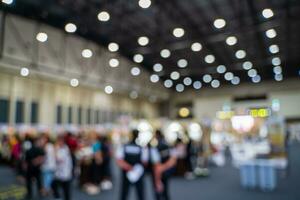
x=187 y=81
x=24 y=71
x=215 y=83
x=207 y=78
x=135 y=71
x=108 y=89
x=247 y=65
x=235 y=81
x=276 y=61
x=168 y=83
x=74 y=82
x=182 y=63
x=197 y=85
x=271 y=33
x=8 y=2
x=196 y=47
x=175 y=75
x=179 y=87
x=165 y=53
x=144 y=3
x=267 y=13
x=178 y=32
x=219 y=23
x=209 y=59
x=221 y=69
x=154 y=78
x=274 y=49
x=157 y=67
x=70 y=28
x=228 y=76
x=103 y=16
x=143 y=41
x=240 y=54
x=87 y=53
x=231 y=40
x=113 y=47
x=42 y=37
x=138 y=58
x=114 y=62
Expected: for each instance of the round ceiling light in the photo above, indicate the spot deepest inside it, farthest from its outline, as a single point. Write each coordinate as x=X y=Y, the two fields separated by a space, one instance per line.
x=154 y=78
x=267 y=13
x=179 y=87
x=231 y=40
x=74 y=82
x=165 y=53
x=108 y=89
x=113 y=47
x=175 y=75
x=168 y=83
x=87 y=53
x=114 y=62
x=138 y=58
x=197 y=85
x=103 y=16
x=196 y=46
x=70 y=28
x=219 y=23
x=209 y=59
x=24 y=71
x=42 y=37
x=135 y=71
x=182 y=63
x=178 y=32
x=157 y=67
x=143 y=41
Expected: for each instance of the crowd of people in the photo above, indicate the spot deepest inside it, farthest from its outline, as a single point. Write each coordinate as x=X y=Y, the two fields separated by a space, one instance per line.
x=54 y=164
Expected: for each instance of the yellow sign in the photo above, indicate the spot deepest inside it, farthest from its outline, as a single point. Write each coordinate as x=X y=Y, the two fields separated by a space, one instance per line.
x=12 y=192
x=225 y=114
x=261 y=112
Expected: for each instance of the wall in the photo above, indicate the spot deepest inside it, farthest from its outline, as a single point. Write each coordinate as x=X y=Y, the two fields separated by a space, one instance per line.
x=49 y=94
x=206 y=102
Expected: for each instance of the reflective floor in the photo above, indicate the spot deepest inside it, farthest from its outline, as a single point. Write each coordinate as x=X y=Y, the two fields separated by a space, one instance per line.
x=222 y=184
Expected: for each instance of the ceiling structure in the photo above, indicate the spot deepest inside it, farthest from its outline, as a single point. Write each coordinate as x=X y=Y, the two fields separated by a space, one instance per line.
x=198 y=43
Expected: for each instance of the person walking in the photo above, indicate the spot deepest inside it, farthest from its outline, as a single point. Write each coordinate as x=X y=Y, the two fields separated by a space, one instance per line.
x=63 y=171
x=164 y=160
x=132 y=159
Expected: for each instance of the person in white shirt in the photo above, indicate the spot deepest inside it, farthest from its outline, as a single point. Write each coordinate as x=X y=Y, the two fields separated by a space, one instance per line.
x=48 y=166
x=63 y=171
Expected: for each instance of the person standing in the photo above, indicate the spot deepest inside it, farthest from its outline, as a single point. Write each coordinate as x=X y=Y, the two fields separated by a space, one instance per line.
x=132 y=159
x=63 y=170
x=48 y=166
x=34 y=158
x=164 y=160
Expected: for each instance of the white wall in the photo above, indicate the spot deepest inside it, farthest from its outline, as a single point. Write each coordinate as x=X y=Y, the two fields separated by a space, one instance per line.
x=49 y=94
x=207 y=102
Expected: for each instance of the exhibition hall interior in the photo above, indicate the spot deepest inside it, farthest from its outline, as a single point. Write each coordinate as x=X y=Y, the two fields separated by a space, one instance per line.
x=149 y=99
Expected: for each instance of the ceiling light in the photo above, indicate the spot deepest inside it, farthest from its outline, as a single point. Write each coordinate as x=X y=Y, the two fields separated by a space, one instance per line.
x=113 y=47
x=256 y=79
x=219 y=23
x=165 y=53
x=240 y=54
x=278 y=77
x=274 y=49
x=221 y=69
x=276 y=61
x=138 y=58
x=267 y=13
x=231 y=40
x=175 y=75
x=144 y=3
x=178 y=32
x=154 y=78
x=277 y=70
x=247 y=65
x=168 y=83
x=235 y=81
x=207 y=78
x=215 y=83
x=187 y=81
x=197 y=85
x=42 y=37
x=228 y=76
x=114 y=62
x=196 y=46
x=74 y=82
x=103 y=16
x=108 y=89
x=133 y=95
x=179 y=87
x=143 y=41
x=271 y=33
x=209 y=59
x=182 y=63
x=157 y=67
x=70 y=28
x=252 y=73
x=87 y=53
x=24 y=71
x=8 y=2
x=135 y=71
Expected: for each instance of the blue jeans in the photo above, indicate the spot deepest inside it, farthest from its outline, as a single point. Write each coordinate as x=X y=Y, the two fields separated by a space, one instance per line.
x=47 y=179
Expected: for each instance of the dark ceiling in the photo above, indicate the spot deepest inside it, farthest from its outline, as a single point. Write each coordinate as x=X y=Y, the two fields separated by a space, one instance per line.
x=128 y=22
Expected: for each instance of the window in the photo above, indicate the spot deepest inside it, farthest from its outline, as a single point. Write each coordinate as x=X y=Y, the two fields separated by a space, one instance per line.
x=97 y=117
x=70 y=117
x=79 y=115
x=34 y=112
x=59 y=114
x=89 y=116
x=4 y=107
x=19 y=112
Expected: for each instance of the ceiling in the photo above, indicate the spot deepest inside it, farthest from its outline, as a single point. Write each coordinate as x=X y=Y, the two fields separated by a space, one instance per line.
x=128 y=21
